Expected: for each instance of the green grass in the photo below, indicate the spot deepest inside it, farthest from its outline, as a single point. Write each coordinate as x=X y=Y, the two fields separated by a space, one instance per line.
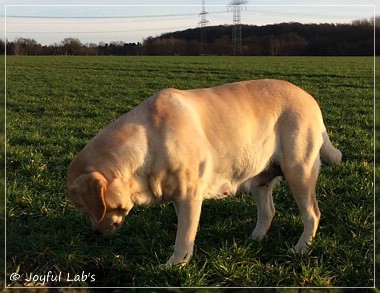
x=2 y=169
x=56 y=104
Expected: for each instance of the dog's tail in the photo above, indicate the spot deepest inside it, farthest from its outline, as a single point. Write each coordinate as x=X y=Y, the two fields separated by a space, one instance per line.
x=329 y=153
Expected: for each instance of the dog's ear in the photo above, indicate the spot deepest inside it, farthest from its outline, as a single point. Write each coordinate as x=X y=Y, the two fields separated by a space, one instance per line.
x=92 y=188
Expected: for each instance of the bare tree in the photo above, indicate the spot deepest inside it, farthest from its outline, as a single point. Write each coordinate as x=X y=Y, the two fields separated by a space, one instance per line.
x=71 y=46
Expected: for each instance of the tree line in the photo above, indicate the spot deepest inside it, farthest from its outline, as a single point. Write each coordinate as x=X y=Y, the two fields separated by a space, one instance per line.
x=286 y=39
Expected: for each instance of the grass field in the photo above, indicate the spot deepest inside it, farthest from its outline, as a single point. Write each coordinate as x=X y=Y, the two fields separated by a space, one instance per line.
x=56 y=104
x=377 y=174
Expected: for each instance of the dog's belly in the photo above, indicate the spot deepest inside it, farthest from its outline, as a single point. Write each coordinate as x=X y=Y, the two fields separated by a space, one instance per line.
x=225 y=187
x=263 y=178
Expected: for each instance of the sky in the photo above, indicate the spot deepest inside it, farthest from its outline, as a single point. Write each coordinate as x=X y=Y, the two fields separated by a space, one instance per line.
x=93 y=21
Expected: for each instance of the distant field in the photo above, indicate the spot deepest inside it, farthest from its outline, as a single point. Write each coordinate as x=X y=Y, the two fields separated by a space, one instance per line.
x=56 y=104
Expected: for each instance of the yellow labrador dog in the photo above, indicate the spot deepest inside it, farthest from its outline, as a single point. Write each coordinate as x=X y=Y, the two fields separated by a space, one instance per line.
x=186 y=146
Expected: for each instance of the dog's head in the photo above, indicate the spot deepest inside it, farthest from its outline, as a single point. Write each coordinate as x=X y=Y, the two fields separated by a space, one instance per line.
x=105 y=202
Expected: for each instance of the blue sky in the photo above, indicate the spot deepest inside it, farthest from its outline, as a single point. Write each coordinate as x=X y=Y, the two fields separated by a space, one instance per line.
x=92 y=21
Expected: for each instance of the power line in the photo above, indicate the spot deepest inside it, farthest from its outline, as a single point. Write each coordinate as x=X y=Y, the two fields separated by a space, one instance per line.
x=108 y=17
x=97 y=32
x=96 y=17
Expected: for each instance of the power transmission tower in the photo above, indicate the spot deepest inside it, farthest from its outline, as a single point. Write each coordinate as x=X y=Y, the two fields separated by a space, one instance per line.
x=236 y=8
x=202 y=24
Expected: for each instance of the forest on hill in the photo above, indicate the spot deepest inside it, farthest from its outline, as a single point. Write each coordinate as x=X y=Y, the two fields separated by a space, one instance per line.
x=284 y=39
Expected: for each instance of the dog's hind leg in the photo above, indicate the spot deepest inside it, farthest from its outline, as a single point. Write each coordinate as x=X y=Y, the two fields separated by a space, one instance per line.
x=265 y=209
x=302 y=179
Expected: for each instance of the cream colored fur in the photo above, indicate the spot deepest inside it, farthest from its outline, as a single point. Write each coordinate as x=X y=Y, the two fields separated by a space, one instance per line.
x=188 y=146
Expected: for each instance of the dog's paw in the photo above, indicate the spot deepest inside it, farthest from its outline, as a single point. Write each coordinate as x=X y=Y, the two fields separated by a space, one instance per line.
x=300 y=249
x=172 y=263
x=169 y=264
x=257 y=236
x=166 y=265
x=179 y=258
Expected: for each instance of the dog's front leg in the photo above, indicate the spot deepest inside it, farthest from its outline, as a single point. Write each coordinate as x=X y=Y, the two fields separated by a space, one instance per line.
x=188 y=213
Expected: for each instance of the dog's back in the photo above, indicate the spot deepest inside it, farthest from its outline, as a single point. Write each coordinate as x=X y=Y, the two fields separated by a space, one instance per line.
x=225 y=135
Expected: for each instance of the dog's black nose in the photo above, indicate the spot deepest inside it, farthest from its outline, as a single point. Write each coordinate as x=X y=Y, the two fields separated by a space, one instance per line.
x=97 y=232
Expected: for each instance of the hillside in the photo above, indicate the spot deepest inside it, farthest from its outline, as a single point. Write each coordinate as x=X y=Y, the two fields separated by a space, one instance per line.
x=276 y=39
